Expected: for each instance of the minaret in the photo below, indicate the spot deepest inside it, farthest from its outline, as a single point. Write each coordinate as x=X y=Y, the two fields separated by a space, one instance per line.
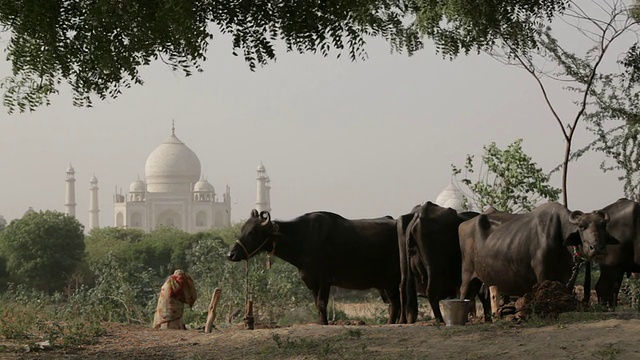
x=268 y=195
x=94 y=210
x=70 y=204
x=263 y=202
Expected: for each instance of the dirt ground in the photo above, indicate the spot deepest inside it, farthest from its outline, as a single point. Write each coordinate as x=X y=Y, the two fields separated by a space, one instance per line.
x=615 y=336
x=574 y=335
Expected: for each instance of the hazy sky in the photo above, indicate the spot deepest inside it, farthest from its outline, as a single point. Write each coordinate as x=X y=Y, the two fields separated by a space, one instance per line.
x=362 y=139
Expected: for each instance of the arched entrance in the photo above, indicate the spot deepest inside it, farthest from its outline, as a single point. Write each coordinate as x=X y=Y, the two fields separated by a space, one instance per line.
x=169 y=218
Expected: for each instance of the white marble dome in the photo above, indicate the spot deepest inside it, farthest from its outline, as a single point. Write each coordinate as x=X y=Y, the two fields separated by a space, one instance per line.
x=203 y=186
x=451 y=197
x=172 y=167
x=137 y=186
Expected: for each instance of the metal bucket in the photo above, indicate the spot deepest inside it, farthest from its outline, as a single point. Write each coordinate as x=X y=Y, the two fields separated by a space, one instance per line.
x=454 y=311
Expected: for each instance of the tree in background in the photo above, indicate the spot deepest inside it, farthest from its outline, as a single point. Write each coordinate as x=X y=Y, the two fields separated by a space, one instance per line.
x=162 y=249
x=101 y=241
x=3 y=261
x=602 y=25
x=615 y=120
x=43 y=249
x=614 y=115
x=98 y=47
x=507 y=179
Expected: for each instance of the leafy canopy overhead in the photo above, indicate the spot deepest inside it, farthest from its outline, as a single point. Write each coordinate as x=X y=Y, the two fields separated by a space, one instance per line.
x=98 y=47
x=462 y=26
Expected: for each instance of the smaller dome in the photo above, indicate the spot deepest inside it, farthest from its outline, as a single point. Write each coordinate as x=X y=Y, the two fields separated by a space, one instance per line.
x=94 y=179
x=70 y=169
x=261 y=168
x=137 y=186
x=451 y=197
x=203 y=186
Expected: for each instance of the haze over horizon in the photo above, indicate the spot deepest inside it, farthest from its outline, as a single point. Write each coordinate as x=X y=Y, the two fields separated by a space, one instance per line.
x=362 y=139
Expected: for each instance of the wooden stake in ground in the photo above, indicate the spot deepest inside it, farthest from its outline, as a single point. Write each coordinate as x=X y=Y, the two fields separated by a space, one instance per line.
x=495 y=301
x=212 y=310
x=248 y=316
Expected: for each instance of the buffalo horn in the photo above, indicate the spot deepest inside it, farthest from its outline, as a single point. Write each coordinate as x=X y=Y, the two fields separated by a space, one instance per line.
x=266 y=217
x=254 y=213
x=574 y=217
x=604 y=215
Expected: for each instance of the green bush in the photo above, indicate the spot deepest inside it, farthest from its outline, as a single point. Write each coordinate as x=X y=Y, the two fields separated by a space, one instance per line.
x=274 y=292
x=630 y=292
x=123 y=292
x=125 y=270
x=29 y=316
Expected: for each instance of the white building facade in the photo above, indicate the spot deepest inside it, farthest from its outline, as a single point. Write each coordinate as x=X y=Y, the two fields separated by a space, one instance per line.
x=175 y=194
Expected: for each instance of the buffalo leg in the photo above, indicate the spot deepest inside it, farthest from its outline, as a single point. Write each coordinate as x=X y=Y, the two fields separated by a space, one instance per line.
x=411 y=304
x=405 y=280
x=587 y=283
x=435 y=306
x=476 y=287
x=608 y=285
x=393 y=295
x=408 y=297
x=321 y=295
x=467 y=277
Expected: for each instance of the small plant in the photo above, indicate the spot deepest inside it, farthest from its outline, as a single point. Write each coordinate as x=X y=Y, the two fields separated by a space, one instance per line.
x=16 y=321
x=322 y=348
x=607 y=353
x=30 y=317
x=354 y=333
x=630 y=292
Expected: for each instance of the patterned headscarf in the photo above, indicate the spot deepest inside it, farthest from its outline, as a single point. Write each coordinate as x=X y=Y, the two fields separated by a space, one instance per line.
x=182 y=287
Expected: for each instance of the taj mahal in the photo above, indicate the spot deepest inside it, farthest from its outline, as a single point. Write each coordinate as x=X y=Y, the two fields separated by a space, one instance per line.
x=174 y=193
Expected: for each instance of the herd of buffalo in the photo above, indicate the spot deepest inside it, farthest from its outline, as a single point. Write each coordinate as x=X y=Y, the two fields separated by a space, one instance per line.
x=439 y=253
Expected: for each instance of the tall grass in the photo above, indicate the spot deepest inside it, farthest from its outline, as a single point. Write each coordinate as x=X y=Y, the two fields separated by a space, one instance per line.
x=28 y=317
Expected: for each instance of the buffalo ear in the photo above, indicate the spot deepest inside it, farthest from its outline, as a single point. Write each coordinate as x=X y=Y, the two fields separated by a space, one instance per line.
x=483 y=222
x=254 y=213
x=604 y=215
x=573 y=240
x=266 y=217
x=574 y=217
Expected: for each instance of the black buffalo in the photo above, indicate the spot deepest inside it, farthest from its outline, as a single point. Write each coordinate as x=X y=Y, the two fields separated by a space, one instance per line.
x=624 y=225
x=514 y=252
x=430 y=257
x=329 y=250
